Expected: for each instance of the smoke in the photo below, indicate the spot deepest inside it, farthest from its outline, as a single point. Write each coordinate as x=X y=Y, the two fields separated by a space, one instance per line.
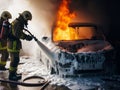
x=44 y=15
x=93 y=11
x=4 y=5
x=43 y=12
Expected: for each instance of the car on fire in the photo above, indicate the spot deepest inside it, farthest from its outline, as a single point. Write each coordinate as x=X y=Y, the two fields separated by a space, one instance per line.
x=86 y=50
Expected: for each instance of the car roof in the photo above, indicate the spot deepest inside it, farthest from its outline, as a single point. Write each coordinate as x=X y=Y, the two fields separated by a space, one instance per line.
x=78 y=24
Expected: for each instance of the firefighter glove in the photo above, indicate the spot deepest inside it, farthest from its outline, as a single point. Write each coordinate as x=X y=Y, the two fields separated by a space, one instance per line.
x=29 y=38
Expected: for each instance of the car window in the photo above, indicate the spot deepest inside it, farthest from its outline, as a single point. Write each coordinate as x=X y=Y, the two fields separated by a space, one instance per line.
x=78 y=33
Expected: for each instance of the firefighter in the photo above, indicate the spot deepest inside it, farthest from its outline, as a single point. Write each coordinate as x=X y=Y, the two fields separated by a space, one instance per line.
x=14 y=42
x=4 y=29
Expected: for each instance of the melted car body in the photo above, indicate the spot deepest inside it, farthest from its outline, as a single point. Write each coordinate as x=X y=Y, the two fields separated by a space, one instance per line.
x=85 y=50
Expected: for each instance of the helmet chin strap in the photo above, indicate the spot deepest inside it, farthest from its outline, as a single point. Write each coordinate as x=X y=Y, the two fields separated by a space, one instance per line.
x=26 y=26
x=26 y=23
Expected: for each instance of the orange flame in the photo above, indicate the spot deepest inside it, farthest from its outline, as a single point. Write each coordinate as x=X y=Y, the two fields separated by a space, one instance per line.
x=64 y=16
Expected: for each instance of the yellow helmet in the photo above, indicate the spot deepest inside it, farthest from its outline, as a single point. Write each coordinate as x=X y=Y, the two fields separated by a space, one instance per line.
x=6 y=15
x=27 y=15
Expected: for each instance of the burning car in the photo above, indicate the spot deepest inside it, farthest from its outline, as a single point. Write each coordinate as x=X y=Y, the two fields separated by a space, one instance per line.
x=83 y=48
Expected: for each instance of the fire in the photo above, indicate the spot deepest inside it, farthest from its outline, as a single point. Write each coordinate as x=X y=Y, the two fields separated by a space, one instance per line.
x=64 y=17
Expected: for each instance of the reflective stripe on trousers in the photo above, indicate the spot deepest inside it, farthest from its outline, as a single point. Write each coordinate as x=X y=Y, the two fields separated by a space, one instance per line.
x=2 y=48
x=13 y=49
x=12 y=68
x=3 y=63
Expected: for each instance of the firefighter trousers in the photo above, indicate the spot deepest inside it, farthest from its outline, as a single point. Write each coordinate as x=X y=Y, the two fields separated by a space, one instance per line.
x=4 y=57
x=14 y=57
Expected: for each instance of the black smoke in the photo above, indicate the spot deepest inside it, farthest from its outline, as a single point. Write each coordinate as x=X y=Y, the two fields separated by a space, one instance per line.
x=93 y=11
x=102 y=12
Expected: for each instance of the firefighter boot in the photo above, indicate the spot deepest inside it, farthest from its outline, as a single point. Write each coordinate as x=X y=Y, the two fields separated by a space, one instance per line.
x=14 y=76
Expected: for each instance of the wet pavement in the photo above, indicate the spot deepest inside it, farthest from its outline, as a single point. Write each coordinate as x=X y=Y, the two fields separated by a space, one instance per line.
x=8 y=86
x=109 y=84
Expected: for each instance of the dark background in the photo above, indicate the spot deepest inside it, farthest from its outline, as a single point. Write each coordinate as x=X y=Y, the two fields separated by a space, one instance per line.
x=110 y=9
x=103 y=12
x=113 y=7
x=107 y=13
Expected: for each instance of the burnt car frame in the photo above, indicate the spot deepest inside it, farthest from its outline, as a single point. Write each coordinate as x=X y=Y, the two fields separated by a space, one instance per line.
x=90 y=53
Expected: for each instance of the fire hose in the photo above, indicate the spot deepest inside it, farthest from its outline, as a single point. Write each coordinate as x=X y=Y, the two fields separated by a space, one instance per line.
x=42 y=46
x=31 y=35
x=44 y=83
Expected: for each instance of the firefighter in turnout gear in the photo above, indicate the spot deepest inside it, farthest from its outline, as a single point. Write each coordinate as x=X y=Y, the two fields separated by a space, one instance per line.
x=14 y=42
x=4 y=32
